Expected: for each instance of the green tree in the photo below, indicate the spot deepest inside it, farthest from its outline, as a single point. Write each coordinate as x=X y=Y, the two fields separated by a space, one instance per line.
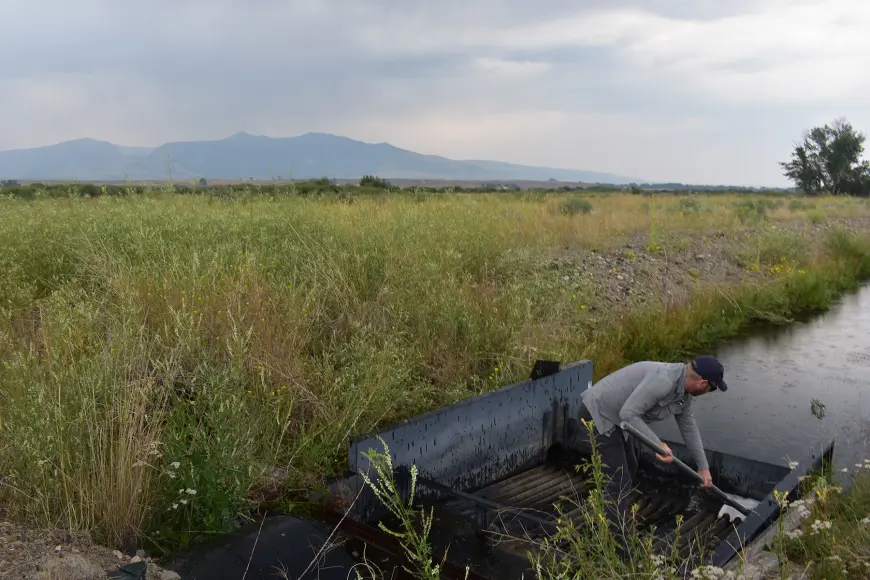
x=829 y=161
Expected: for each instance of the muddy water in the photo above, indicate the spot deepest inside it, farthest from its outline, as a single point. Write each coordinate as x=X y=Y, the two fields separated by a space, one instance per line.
x=773 y=377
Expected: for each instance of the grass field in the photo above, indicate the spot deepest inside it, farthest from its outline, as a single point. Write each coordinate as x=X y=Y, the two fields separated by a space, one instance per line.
x=169 y=362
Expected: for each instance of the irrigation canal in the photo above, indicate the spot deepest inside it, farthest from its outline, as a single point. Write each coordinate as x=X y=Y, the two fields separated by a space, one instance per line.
x=773 y=377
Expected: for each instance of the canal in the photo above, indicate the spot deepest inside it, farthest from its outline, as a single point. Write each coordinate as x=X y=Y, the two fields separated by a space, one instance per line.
x=773 y=377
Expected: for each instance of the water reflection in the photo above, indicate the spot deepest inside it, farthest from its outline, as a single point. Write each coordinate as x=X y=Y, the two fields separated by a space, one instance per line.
x=773 y=378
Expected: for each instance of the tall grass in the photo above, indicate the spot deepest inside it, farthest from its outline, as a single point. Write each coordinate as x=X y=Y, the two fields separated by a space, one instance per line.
x=170 y=362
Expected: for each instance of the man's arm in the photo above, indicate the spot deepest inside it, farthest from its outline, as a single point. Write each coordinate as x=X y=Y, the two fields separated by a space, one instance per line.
x=648 y=393
x=692 y=437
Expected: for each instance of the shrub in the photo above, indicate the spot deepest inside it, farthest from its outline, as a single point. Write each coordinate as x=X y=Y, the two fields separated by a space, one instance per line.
x=372 y=181
x=689 y=205
x=575 y=205
x=749 y=210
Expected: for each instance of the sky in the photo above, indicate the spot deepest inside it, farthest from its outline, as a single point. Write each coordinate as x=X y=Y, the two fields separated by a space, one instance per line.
x=696 y=91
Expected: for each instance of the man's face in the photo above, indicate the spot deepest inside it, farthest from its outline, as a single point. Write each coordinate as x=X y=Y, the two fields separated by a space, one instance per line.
x=695 y=385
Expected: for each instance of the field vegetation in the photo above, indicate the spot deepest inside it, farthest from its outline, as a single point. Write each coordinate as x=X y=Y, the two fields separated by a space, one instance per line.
x=171 y=362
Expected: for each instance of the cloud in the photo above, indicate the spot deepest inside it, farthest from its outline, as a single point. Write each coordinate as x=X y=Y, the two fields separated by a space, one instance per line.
x=703 y=91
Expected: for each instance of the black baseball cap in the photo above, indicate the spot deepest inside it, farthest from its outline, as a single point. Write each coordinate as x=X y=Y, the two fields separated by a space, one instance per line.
x=711 y=370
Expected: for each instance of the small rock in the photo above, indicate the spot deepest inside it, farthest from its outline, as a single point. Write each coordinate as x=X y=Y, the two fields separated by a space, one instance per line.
x=135 y=559
x=57 y=549
x=118 y=554
x=619 y=277
x=140 y=553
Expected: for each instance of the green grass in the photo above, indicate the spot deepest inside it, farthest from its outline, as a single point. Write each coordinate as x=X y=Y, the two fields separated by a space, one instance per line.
x=172 y=362
x=832 y=536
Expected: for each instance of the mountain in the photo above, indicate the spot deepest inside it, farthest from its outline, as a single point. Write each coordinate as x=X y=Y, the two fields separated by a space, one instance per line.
x=312 y=155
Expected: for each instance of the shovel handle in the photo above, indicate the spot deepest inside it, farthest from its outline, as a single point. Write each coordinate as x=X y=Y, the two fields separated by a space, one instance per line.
x=686 y=469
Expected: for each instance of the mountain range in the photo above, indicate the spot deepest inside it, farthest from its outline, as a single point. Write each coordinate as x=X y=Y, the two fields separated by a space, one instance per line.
x=245 y=156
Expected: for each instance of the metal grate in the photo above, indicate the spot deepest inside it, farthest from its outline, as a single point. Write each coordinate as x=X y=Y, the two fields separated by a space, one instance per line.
x=522 y=509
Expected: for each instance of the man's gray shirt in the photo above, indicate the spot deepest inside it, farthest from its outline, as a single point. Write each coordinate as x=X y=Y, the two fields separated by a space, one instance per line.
x=646 y=392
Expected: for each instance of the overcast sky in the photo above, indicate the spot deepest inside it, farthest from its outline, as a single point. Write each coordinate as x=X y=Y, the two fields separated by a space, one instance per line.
x=702 y=91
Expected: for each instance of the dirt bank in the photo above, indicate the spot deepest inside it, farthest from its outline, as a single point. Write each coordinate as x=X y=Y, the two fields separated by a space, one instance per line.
x=36 y=554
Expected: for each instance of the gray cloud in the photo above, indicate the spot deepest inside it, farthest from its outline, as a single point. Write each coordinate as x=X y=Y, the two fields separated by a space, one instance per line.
x=702 y=91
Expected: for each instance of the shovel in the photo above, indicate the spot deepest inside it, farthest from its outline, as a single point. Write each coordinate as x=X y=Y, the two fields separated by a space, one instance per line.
x=735 y=507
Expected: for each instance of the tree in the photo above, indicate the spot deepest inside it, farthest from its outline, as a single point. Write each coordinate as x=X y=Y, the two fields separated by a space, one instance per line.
x=829 y=161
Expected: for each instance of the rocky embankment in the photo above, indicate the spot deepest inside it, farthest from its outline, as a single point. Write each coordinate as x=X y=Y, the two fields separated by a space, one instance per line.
x=634 y=274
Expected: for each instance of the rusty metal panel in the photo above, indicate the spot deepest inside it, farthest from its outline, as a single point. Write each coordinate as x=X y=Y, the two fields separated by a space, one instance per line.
x=485 y=438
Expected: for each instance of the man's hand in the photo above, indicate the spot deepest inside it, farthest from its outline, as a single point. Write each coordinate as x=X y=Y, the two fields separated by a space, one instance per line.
x=708 y=479
x=669 y=458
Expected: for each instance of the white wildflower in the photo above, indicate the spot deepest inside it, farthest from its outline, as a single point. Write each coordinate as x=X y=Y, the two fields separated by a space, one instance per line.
x=190 y=491
x=175 y=506
x=802 y=507
x=793 y=465
x=182 y=501
x=818 y=526
x=175 y=465
x=794 y=534
x=711 y=573
x=866 y=521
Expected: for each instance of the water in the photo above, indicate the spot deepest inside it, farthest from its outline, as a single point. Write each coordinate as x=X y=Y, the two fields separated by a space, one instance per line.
x=773 y=377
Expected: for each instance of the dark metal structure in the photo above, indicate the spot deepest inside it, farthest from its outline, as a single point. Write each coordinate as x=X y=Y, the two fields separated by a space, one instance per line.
x=496 y=466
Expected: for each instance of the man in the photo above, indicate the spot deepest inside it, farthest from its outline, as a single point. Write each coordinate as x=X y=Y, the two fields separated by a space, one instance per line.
x=645 y=392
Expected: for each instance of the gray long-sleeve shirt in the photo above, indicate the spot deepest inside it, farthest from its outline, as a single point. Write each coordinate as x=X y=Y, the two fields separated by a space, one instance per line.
x=646 y=392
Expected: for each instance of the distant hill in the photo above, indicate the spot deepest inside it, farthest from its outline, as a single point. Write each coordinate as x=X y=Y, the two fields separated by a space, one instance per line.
x=245 y=156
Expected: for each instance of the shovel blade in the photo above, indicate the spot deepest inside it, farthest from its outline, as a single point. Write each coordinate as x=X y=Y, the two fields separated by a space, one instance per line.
x=731 y=513
x=734 y=514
